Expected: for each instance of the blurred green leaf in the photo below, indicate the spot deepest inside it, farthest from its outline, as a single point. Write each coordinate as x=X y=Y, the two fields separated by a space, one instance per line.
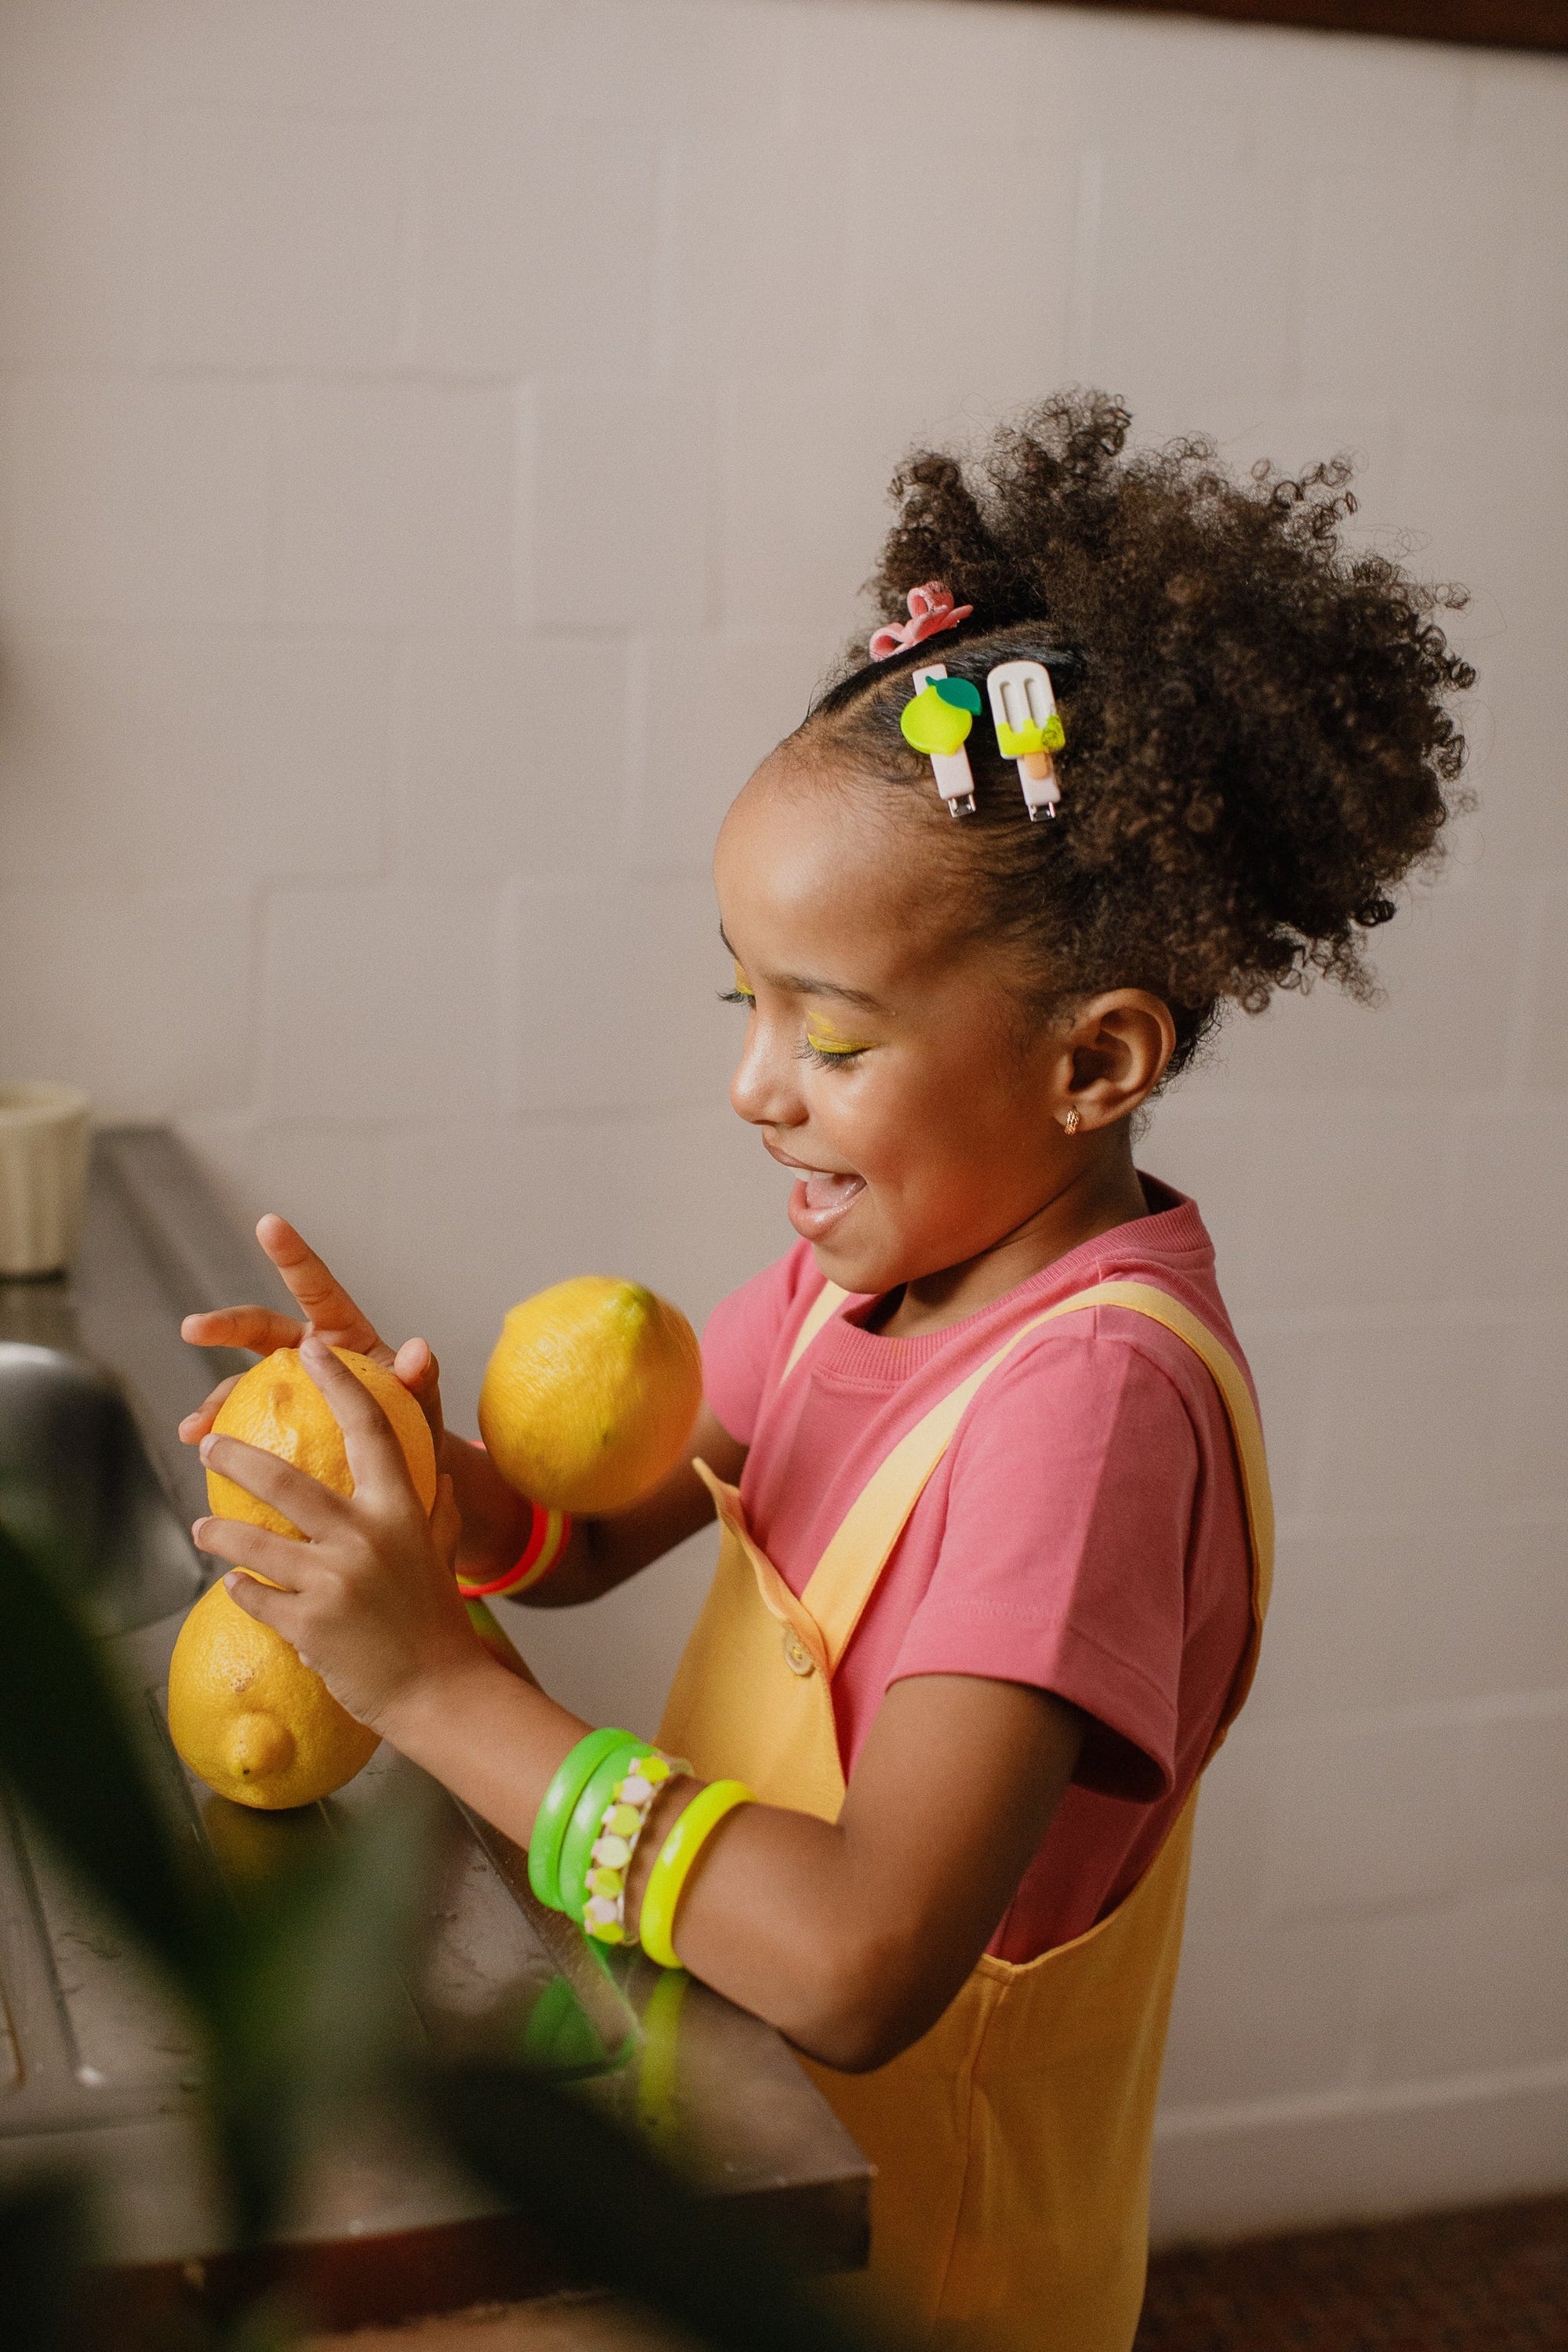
x=317 y=1992
x=559 y=2039
x=620 y=2219
x=311 y=2013
x=66 y=1747
x=303 y=2001
x=275 y=2323
x=42 y=2250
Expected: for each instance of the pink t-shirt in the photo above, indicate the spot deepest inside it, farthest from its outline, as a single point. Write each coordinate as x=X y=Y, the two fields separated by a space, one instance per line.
x=1085 y=1532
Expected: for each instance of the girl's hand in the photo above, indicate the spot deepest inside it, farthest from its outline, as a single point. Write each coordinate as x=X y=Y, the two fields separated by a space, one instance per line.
x=331 y=1314
x=367 y=1597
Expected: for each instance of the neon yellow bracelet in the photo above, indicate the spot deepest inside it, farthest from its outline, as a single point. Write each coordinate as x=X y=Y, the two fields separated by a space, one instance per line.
x=667 y=1881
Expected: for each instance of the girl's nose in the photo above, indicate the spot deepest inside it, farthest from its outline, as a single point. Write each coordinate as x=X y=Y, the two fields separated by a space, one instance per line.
x=765 y=1088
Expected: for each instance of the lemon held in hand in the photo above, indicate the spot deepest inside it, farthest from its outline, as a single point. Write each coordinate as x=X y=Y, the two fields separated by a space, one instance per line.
x=277 y=1407
x=245 y=1714
x=590 y=1396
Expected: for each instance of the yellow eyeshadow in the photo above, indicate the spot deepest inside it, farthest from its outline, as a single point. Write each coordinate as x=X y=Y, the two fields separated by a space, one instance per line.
x=830 y=1041
x=742 y=985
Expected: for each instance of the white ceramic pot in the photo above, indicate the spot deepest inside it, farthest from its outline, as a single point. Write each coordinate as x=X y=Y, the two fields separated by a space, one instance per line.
x=43 y=1176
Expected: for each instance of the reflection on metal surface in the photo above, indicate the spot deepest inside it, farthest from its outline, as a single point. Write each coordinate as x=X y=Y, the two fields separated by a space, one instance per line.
x=123 y=2028
x=659 y=2112
x=10 y=2058
x=76 y=1484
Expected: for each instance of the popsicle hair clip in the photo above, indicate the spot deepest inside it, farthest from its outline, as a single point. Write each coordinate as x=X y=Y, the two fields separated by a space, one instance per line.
x=1028 y=728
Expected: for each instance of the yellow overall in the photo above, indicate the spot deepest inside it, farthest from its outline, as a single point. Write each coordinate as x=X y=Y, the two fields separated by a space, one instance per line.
x=1011 y=2143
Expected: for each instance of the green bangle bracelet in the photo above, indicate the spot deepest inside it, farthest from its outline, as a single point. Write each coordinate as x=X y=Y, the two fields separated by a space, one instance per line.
x=550 y=1823
x=582 y=1829
x=667 y=1881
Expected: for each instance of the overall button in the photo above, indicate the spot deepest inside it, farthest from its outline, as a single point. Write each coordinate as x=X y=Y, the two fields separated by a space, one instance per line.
x=797 y=1657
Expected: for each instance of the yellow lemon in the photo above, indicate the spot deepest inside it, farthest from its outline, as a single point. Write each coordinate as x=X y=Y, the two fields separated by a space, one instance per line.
x=246 y=1717
x=278 y=1406
x=589 y=1398
x=250 y=1720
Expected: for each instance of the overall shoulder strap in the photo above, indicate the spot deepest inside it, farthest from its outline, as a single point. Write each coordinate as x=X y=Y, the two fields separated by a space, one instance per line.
x=846 y=1575
x=828 y=1299
x=1246 y=1429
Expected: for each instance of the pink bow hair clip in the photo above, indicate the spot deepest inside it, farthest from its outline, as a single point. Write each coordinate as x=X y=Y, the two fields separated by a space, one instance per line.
x=932 y=609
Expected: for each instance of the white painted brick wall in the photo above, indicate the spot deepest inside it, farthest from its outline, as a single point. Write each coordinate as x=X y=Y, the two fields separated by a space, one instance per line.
x=410 y=410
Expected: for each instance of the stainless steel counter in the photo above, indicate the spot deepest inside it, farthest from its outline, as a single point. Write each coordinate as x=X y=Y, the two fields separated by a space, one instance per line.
x=95 y=2068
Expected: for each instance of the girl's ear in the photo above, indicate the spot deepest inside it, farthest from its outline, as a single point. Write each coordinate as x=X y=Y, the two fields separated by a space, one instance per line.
x=1119 y=1047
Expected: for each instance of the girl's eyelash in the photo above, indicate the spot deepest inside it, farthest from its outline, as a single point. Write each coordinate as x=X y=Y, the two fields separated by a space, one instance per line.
x=827 y=1057
x=831 y=1057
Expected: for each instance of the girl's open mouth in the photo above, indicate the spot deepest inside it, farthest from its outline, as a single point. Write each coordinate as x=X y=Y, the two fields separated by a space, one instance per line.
x=820 y=1199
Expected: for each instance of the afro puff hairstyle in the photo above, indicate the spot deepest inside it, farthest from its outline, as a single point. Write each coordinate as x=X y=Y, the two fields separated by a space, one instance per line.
x=1259 y=748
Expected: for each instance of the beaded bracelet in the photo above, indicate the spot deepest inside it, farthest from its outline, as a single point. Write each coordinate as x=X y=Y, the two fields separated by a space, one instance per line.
x=624 y=1817
x=667 y=1881
x=583 y=1830
x=548 y=1539
x=554 y=1815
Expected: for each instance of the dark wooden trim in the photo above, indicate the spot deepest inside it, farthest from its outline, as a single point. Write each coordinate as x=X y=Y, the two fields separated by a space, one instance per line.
x=384 y=2279
x=1489 y=23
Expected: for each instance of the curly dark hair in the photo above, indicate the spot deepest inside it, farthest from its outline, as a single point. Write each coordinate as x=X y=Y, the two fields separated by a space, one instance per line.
x=1258 y=747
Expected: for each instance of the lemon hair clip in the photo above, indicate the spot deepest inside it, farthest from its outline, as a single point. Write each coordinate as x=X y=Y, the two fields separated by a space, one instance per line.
x=1028 y=728
x=936 y=721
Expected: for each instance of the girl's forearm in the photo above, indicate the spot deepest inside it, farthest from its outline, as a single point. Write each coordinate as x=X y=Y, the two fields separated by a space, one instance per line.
x=494 y=1740
x=496 y=1521
x=788 y=1949
x=601 y=1552
x=850 y=1937
x=781 y=1932
x=783 y=1916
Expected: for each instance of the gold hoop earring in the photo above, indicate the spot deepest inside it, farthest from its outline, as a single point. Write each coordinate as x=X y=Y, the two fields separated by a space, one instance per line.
x=1071 y=1123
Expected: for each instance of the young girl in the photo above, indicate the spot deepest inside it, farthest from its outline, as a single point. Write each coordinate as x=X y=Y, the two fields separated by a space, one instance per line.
x=995 y=1518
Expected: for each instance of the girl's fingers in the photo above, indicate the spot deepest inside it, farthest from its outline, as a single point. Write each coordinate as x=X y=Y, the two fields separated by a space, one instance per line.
x=277 y=1557
x=416 y=1366
x=195 y=1425
x=330 y=1312
x=257 y=1600
x=374 y=1454
x=311 y=1506
x=259 y=1328
x=446 y=1521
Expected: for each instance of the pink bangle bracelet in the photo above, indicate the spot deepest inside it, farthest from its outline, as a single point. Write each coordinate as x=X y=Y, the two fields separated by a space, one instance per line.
x=548 y=1539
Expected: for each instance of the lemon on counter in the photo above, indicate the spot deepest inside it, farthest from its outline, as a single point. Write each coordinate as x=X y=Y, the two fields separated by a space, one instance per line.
x=590 y=1395
x=250 y=1720
x=246 y=1717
